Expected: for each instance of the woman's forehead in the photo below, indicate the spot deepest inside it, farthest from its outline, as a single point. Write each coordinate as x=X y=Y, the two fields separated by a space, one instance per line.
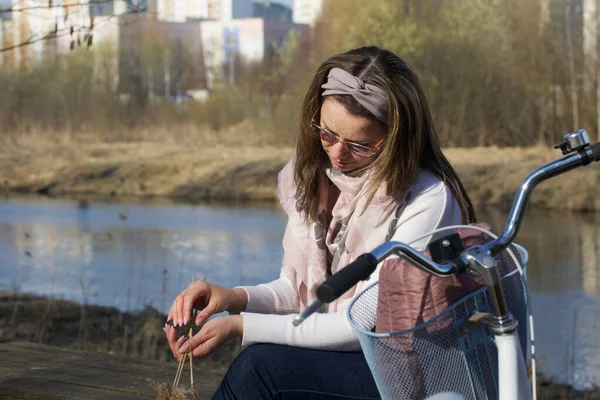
x=338 y=120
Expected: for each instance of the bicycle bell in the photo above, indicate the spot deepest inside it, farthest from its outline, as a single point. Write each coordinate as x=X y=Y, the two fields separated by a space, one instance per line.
x=574 y=141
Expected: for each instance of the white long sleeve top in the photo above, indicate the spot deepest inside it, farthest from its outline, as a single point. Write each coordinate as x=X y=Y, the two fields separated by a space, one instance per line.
x=273 y=306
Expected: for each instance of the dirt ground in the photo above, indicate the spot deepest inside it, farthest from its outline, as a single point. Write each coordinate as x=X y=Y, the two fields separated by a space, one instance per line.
x=205 y=172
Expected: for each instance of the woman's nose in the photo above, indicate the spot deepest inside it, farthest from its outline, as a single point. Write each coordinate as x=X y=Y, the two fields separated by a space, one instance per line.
x=338 y=150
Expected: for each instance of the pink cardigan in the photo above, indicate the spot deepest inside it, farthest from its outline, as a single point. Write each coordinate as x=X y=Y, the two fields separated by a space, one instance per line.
x=272 y=306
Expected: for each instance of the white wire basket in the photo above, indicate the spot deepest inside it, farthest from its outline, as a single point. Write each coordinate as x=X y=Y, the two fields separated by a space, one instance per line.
x=447 y=353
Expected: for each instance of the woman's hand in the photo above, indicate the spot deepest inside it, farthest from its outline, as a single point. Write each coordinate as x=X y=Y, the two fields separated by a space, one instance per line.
x=213 y=334
x=209 y=299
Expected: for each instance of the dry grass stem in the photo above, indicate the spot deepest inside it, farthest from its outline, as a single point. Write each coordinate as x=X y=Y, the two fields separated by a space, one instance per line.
x=178 y=373
x=185 y=356
x=191 y=368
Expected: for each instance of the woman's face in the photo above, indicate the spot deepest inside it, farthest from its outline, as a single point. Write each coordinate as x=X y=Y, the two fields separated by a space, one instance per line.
x=345 y=136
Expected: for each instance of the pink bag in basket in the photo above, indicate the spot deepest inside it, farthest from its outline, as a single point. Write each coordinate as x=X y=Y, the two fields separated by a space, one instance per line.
x=408 y=296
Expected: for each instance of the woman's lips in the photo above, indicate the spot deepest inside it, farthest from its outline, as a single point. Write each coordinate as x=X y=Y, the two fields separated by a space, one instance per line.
x=338 y=164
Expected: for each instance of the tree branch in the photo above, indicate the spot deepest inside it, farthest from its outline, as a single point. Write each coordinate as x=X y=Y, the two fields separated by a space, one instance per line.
x=67 y=30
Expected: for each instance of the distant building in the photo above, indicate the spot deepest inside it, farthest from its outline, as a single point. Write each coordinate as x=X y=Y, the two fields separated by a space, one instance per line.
x=28 y=28
x=271 y=11
x=214 y=9
x=181 y=10
x=240 y=9
x=151 y=47
x=159 y=58
x=5 y=14
x=117 y=8
x=226 y=43
x=307 y=11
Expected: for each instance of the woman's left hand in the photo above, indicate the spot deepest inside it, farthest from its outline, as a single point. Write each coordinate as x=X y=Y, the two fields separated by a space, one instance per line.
x=213 y=334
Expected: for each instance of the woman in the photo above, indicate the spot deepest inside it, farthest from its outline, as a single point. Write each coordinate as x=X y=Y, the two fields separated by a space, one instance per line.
x=368 y=168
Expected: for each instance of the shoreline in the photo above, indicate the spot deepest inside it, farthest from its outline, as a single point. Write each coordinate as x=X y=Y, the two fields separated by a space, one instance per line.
x=240 y=175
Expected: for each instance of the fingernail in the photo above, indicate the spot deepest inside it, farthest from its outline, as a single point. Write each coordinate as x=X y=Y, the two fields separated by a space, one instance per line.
x=182 y=337
x=180 y=321
x=184 y=348
x=185 y=321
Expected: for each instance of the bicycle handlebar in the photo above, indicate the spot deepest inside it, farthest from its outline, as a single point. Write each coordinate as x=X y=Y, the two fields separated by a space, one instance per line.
x=576 y=143
x=581 y=158
x=365 y=264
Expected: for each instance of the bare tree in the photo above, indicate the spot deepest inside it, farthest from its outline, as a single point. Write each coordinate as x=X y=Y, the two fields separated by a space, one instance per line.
x=572 y=73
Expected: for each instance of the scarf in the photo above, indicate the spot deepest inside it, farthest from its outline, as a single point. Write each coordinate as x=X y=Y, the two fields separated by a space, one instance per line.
x=314 y=251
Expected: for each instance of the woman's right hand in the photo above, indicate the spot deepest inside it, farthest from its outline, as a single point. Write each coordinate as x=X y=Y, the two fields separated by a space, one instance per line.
x=209 y=299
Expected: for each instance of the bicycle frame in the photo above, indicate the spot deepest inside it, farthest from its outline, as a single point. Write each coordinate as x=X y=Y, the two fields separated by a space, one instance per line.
x=513 y=381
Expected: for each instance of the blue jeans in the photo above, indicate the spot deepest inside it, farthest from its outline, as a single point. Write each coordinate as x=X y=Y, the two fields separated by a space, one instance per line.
x=270 y=371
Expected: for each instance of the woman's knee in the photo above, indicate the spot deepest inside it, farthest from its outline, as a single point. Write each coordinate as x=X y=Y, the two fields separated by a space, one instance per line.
x=250 y=374
x=253 y=360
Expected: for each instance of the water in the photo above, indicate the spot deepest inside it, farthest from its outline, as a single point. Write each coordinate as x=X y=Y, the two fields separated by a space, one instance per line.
x=131 y=255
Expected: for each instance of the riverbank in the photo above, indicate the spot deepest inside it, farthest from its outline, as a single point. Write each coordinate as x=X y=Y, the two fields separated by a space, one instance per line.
x=96 y=329
x=107 y=330
x=213 y=172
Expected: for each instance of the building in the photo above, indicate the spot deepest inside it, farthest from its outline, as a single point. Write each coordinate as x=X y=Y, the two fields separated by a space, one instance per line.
x=214 y=9
x=181 y=10
x=271 y=11
x=228 y=43
x=159 y=58
x=30 y=29
x=39 y=32
x=152 y=48
x=240 y=9
x=307 y=11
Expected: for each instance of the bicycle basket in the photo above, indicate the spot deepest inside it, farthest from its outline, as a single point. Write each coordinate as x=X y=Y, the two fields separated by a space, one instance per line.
x=445 y=353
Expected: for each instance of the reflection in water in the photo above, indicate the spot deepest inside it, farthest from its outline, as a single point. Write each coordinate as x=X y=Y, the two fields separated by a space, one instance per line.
x=93 y=255
x=132 y=255
x=564 y=279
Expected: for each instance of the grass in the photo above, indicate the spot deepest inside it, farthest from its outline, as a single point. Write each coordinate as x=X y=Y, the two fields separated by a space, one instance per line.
x=223 y=167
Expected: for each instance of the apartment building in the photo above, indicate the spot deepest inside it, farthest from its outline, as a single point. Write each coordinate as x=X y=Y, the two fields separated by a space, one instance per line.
x=226 y=44
x=181 y=10
x=307 y=11
x=25 y=29
x=201 y=40
x=214 y=9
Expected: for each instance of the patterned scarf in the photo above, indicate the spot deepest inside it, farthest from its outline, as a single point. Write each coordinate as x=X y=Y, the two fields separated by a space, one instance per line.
x=313 y=252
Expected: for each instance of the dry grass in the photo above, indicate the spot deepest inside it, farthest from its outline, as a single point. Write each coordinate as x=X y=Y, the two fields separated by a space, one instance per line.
x=166 y=391
x=222 y=166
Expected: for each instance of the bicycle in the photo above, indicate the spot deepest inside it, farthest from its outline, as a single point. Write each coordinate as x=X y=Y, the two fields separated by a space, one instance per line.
x=479 y=340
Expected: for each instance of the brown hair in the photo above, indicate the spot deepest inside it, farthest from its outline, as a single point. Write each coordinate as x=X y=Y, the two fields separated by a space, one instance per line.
x=411 y=143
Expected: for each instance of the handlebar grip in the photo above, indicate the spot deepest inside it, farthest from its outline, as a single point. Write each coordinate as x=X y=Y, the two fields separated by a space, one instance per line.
x=344 y=279
x=595 y=156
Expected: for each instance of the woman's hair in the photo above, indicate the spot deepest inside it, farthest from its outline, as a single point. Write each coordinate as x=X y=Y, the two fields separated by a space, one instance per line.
x=411 y=142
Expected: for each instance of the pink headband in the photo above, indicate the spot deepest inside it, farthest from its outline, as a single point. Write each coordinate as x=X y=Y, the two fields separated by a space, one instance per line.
x=369 y=96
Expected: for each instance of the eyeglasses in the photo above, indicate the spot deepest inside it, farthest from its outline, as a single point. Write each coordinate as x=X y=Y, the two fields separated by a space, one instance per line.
x=357 y=149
